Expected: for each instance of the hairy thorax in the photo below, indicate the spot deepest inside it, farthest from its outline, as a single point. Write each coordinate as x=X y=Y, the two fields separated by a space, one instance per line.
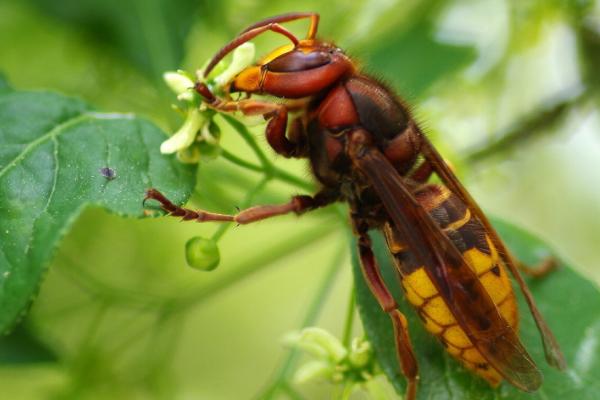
x=359 y=103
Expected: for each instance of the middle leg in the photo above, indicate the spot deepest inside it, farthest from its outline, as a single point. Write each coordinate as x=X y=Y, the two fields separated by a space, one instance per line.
x=275 y=114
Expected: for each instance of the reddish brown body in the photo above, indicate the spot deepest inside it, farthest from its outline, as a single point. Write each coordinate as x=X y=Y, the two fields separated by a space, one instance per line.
x=365 y=149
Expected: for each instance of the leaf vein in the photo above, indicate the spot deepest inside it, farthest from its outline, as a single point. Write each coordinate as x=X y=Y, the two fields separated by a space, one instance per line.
x=56 y=131
x=52 y=188
x=146 y=154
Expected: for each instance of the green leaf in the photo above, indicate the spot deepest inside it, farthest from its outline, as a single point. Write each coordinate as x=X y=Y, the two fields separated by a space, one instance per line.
x=56 y=158
x=23 y=346
x=570 y=304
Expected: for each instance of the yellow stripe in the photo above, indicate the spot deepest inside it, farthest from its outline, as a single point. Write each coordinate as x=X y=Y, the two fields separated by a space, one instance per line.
x=458 y=224
x=276 y=53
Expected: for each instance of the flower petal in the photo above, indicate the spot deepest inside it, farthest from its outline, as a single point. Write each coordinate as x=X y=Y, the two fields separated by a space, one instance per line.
x=325 y=340
x=185 y=136
x=178 y=82
x=243 y=56
x=311 y=371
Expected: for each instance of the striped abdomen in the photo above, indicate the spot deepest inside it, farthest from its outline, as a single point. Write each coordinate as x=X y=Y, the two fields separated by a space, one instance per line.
x=470 y=237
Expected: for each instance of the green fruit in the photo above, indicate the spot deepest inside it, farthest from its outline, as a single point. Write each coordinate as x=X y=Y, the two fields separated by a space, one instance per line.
x=202 y=253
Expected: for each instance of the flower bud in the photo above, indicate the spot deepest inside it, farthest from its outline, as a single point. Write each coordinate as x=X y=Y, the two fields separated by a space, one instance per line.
x=296 y=339
x=361 y=352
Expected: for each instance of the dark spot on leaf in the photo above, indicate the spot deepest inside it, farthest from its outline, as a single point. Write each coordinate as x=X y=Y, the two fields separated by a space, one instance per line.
x=108 y=173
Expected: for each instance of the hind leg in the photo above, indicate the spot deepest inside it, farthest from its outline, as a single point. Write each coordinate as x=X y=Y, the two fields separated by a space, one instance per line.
x=404 y=350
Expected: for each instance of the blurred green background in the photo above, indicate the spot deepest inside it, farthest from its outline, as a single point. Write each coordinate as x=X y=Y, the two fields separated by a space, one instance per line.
x=508 y=90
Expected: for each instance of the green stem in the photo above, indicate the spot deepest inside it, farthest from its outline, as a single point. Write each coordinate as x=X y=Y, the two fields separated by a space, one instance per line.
x=287 y=366
x=249 y=139
x=267 y=166
x=347 y=335
x=240 y=162
x=221 y=230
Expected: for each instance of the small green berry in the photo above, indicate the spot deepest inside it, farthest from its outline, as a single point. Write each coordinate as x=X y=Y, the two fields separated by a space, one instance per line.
x=202 y=253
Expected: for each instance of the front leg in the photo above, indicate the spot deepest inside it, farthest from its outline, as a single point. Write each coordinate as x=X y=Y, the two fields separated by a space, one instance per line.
x=298 y=205
x=276 y=114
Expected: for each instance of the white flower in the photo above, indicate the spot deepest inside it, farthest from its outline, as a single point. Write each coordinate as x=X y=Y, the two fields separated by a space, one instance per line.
x=319 y=343
x=180 y=83
x=355 y=367
x=196 y=127
x=186 y=135
x=312 y=370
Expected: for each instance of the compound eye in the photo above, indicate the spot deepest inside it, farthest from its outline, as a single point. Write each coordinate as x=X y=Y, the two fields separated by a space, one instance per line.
x=299 y=61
